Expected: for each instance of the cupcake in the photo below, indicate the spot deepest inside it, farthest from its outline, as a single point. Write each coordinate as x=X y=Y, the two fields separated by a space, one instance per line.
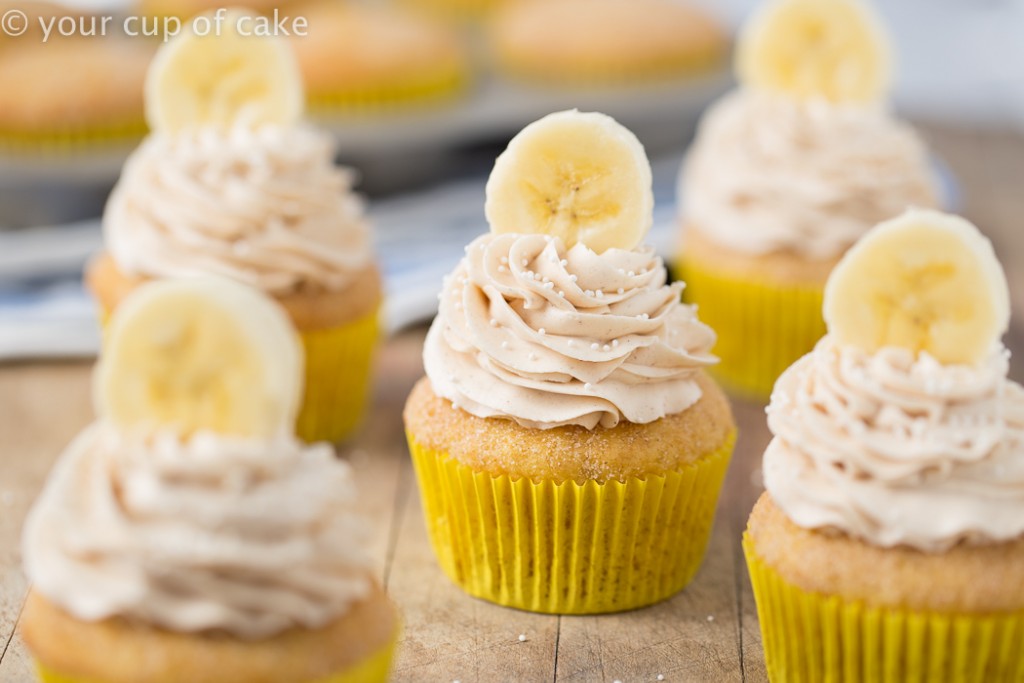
x=890 y=541
x=231 y=184
x=359 y=57
x=68 y=94
x=187 y=534
x=785 y=174
x=184 y=9
x=568 y=445
x=611 y=42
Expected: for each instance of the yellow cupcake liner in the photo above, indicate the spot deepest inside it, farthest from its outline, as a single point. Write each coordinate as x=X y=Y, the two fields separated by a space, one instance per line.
x=374 y=669
x=762 y=328
x=438 y=88
x=71 y=139
x=568 y=548
x=674 y=68
x=339 y=364
x=819 y=638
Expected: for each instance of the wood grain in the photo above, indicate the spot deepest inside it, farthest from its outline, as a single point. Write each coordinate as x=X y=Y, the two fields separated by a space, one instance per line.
x=447 y=635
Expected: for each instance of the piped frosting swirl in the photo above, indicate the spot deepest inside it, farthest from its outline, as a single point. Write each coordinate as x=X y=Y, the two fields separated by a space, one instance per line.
x=768 y=173
x=265 y=206
x=248 y=537
x=897 y=449
x=547 y=336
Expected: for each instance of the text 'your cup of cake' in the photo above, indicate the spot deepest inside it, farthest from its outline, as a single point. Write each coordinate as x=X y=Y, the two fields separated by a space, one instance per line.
x=188 y=534
x=786 y=172
x=568 y=444
x=889 y=545
x=231 y=183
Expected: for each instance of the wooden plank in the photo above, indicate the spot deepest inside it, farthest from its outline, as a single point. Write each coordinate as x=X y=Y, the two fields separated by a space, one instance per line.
x=43 y=407
x=691 y=637
x=449 y=636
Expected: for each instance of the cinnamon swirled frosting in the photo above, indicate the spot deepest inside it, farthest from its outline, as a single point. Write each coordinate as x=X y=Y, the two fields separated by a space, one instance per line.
x=245 y=536
x=547 y=336
x=264 y=206
x=897 y=449
x=768 y=173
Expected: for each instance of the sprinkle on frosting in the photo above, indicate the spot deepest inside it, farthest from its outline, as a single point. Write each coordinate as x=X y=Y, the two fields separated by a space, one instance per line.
x=897 y=449
x=768 y=173
x=264 y=206
x=248 y=537
x=564 y=336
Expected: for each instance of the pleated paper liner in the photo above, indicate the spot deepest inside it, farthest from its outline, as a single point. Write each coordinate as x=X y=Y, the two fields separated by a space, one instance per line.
x=72 y=140
x=441 y=87
x=669 y=70
x=339 y=364
x=569 y=548
x=762 y=328
x=817 y=638
x=374 y=669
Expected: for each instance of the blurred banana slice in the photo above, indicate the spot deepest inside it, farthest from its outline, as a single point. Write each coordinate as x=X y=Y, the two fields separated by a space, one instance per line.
x=925 y=281
x=831 y=49
x=204 y=354
x=579 y=176
x=222 y=78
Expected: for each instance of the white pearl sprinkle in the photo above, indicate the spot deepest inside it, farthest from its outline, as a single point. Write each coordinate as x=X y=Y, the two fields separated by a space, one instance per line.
x=455 y=405
x=661 y=677
x=588 y=386
x=615 y=342
x=504 y=344
x=599 y=293
x=563 y=263
x=606 y=348
x=572 y=344
x=574 y=277
x=621 y=290
x=561 y=294
x=711 y=617
x=595 y=346
x=522 y=637
x=631 y=274
x=504 y=259
x=494 y=323
x=525 y=262
x=549 y=285
x=532 y=356
x=588 y=292
x=541 y=332
x=502 y=269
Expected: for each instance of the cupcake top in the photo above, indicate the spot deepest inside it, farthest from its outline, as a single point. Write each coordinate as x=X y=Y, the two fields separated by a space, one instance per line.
x=804 y=157
x=229 y=182
x=558 y=317
x=901 y=427
x=190 y=504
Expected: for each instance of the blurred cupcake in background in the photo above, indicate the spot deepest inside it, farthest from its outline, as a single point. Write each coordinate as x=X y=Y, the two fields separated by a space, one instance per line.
x=357 y=57
x=568 y=445
x=604 y=42
x=890 y=541
x=68 y=93
x=231 y=183
x=184 y=9
x=785 y=174
x=188 y=535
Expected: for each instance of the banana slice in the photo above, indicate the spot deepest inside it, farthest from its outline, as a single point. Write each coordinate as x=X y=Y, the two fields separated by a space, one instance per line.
x=832 y=49
x=204 y=354
x=925 y=281
x=579 y=176
x=220 y=78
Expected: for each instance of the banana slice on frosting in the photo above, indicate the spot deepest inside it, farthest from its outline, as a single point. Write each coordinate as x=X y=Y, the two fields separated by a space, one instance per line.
x=579 y=176
x=222 y=78
x=204 y=354
x=831 y=49
x=925 y=281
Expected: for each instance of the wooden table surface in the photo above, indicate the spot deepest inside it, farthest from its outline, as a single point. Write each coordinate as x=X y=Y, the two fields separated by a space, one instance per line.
x=709 y=632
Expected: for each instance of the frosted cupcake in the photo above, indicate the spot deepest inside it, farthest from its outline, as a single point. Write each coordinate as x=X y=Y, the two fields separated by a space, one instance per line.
x=188 y=535
x=785 y=174
x=230 y=183
x=890 y=541
x=569 y=447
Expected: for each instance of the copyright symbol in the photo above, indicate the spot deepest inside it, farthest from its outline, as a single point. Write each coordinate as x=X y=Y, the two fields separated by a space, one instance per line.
x=14 y=22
